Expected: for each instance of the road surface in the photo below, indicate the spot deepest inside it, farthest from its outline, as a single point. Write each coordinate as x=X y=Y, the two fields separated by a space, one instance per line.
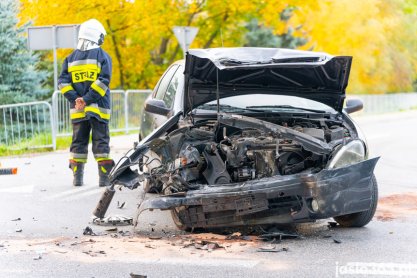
x=42 y=219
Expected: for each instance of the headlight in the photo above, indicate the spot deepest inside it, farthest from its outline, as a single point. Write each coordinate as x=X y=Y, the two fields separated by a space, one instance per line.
x=351 y=153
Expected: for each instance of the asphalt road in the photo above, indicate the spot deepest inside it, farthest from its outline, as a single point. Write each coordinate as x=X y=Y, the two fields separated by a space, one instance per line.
x=48 y=239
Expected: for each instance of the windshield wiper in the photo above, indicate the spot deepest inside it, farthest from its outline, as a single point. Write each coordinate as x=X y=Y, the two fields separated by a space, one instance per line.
x=223 y=107
x=263 y=107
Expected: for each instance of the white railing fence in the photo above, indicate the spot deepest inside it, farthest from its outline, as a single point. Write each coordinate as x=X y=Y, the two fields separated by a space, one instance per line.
x=27 y=126
x=37 y=124
x=377 y=104
x=126 y=111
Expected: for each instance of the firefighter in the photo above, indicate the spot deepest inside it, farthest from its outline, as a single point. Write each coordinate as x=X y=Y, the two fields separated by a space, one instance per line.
x=84 y=81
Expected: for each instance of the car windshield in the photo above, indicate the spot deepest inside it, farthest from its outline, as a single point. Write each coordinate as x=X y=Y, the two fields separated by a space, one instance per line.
x=266 y=102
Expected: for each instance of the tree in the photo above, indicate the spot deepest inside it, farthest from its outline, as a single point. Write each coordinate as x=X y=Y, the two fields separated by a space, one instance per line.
x=262 y=36
x=379 y=34
x=19 y=79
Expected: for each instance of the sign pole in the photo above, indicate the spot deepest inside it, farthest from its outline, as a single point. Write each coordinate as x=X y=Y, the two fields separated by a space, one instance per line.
x=55 y=58
x=185 y=36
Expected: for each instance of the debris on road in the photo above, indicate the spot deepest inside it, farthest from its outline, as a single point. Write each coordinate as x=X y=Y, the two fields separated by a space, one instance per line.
x=17 y=219
x=116 y=220
x=154 y=237
x=19 y=231
x=332 y=224
x=88 y=232
x=39 y=257
x=112 y=230
x=338 y=241
x=81 y=242
x=234 y=236
x=120 y=206
x=278 y=236
x=205 y=245
x=132 y=275
x=272 y=248
x=124 y=233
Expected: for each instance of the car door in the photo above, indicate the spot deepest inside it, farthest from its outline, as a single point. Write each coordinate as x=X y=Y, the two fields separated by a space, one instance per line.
x=150 y=120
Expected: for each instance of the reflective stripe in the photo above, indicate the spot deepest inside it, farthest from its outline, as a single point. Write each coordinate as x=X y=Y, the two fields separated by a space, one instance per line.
x=80 y=160
x=97 y=111
x=87 y=67
x=74 y=156
x=102 y=159
x=101 y=155
x=103 y=170
x=93 y=108
x=84 y=65
x=99 y=87
x=65 y=88
x=78 y=115
x=84 y=62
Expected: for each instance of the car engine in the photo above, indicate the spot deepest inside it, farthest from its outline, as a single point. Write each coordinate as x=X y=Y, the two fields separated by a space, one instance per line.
x=218 y=152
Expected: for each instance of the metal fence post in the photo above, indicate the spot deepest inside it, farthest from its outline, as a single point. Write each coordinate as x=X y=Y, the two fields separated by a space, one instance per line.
x=126 y=112
x=135 y=100
x=53 y=131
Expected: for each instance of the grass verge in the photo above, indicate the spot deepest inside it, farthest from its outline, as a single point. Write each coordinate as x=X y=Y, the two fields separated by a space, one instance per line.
x=27 y=146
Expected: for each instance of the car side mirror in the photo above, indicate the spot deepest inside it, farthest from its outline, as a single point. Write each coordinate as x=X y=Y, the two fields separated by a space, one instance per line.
x=156 y=106
x=353 y=105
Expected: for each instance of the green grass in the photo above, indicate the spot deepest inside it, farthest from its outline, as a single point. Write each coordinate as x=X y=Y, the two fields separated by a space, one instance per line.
x=25 y=147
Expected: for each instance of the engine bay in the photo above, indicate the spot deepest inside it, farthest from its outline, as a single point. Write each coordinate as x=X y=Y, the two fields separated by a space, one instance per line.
x=237 y=149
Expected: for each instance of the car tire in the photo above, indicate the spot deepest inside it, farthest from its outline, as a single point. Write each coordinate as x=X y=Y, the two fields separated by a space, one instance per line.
x=177 y=221
x=360 y=219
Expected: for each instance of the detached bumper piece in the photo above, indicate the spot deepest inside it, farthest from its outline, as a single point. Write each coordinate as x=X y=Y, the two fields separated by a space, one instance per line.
x=275 y=200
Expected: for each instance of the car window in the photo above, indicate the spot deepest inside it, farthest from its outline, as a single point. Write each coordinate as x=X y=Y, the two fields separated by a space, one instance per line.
x=164 y=82
x=172 y=87
x=253 y=100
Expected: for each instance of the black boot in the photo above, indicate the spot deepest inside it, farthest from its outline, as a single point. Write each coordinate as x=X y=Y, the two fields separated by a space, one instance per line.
x=78 y=171
x=104 y=168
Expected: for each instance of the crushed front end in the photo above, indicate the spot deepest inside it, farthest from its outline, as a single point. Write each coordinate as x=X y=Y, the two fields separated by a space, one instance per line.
x=273 y=200
x=236 y=170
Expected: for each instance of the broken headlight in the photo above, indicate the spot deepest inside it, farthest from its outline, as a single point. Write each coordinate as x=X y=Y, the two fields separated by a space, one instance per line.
x=351 y=153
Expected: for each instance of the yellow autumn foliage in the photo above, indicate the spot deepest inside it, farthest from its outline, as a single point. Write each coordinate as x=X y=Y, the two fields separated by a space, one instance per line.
x=379 y=34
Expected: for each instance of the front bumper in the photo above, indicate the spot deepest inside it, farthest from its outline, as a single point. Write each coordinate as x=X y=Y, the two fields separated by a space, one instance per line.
x=279 y=199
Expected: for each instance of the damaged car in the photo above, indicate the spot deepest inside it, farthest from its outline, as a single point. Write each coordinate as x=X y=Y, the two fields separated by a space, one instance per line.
x=251 y=136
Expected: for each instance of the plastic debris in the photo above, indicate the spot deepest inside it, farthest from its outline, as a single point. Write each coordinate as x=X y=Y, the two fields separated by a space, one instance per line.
x=272 y=248
x=88 y=231
x=338 y=241
x=332 y=224
x=113 y=221
x=205 y=245
x=132 y=275
x=278 y=236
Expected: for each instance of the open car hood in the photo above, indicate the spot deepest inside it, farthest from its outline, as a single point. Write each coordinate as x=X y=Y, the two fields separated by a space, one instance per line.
x=248 y=70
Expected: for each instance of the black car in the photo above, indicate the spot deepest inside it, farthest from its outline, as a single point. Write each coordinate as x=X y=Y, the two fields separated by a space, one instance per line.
x=252 y=136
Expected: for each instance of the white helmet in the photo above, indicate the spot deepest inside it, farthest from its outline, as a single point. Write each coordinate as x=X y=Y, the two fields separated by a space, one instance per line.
x=92 y=30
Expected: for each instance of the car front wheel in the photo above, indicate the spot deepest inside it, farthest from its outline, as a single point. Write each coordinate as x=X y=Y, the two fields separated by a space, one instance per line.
x=360 y=219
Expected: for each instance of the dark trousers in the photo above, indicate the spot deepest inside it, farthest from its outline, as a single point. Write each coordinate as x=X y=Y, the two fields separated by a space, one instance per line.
x=81 y=135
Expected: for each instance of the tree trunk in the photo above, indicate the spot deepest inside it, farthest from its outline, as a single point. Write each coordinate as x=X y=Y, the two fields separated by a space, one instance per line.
x=118 y=55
